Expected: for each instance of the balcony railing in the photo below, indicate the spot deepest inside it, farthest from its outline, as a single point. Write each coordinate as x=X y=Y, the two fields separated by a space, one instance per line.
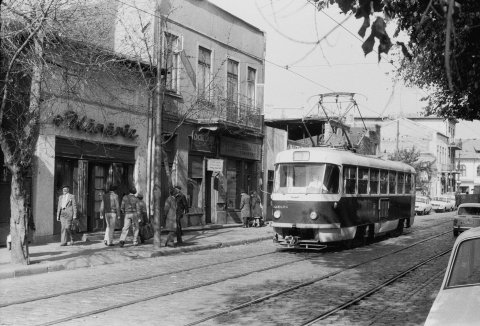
x=455 y=144
x=450 y=167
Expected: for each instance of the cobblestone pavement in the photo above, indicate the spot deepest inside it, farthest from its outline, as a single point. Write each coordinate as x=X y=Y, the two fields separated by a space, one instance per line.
x=192 y=269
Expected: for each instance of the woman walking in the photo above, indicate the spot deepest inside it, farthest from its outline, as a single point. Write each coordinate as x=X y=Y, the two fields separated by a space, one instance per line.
x=170 y=211
x=256 y=209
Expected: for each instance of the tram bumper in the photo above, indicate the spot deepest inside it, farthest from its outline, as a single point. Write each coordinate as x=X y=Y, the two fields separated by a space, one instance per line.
x=296 y=242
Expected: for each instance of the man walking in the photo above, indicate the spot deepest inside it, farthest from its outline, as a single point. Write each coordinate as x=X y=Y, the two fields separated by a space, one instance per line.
x=131 y=209
x=182 y=208
x=66 y=213
x=110 y=208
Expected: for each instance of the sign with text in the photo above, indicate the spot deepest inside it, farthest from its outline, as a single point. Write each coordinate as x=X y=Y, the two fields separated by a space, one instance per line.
x=202 y=142
x=214 y=165
x=240 y=148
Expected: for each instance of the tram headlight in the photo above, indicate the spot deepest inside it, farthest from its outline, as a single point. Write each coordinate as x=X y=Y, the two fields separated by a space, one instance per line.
x=277 y=213
x=313 y=215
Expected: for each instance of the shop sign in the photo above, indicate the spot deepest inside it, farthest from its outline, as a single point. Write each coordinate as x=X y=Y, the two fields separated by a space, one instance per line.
x=202 y=142
x=214 y=165
x=240 y=148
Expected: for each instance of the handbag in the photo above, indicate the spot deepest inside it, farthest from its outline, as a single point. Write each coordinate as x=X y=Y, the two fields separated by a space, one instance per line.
x=146 y=231
x=75 y=226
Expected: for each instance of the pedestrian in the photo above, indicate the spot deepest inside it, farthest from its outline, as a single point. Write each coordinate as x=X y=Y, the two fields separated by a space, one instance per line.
x=131 y=209
x=66 y=213
x=143 y=209
x=110 y=209
x=256 y=205
x=245 y=208
x=182 y=208
x=170 y=211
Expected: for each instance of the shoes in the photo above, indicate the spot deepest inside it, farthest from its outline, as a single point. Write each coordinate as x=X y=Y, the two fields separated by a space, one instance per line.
x=106 y=243
x=111 y=245
x=63 y=244
x=121 y=243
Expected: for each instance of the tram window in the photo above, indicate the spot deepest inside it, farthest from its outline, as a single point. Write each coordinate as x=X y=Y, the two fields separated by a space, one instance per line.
x=392 y=182
x=374 y=181
x=362 y=180
x=383 y=181
x=400 y=182
x=349 y=179
x=408 y=183
x=331 y=179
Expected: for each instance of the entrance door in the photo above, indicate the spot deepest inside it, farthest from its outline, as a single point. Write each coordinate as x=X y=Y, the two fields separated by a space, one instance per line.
x=98 y=178
x=65 y=169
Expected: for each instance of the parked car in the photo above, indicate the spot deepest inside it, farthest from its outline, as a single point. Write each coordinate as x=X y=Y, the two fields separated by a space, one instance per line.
x=422 y=205
x=441 y=204
x=458 y=299
x=467 y=217
x=452 y=199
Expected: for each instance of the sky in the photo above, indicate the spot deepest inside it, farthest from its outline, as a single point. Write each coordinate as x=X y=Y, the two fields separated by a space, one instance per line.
x=310 y=53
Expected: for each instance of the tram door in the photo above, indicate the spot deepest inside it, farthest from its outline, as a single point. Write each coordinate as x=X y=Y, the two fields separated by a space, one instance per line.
x=383 y=205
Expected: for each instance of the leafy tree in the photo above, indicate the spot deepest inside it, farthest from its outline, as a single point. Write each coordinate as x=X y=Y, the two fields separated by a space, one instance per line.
x=443 y=51
x=411 y=156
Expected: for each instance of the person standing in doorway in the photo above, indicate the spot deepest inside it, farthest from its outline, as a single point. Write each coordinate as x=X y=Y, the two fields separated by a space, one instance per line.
x=256 y=209
x=182 y=208
x=245 y=208
x=110 y=208
x=170 y=211
x=131 y=209
x=66 y=213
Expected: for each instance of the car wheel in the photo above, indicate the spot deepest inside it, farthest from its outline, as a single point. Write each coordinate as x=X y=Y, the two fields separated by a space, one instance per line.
x=424 y=212
x=455 y=233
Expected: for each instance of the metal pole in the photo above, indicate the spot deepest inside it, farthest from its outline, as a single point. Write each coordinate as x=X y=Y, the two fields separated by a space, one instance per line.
x=157 y=172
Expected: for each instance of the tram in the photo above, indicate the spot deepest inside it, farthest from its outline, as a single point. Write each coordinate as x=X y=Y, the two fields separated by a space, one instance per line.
x=325 y=195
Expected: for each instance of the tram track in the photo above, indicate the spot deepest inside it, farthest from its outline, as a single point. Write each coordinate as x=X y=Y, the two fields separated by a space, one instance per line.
x=316 y=280
x=373 y=290
x=202 y=284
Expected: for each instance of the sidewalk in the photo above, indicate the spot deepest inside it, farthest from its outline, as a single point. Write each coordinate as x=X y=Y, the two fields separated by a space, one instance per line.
x=91 y=251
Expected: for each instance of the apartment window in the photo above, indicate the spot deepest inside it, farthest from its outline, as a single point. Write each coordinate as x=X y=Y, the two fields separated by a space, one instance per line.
x=251 y=86
x=463 y=170
x=204 y=72
x=172 y=57
x=478 y=171
x=232 y=90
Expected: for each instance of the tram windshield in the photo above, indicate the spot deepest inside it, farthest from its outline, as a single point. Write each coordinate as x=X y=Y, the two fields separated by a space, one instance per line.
x=309 y=178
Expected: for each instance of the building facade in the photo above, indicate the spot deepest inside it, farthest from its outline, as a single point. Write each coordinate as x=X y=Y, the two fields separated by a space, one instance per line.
x=469 y=166
x=97 y=126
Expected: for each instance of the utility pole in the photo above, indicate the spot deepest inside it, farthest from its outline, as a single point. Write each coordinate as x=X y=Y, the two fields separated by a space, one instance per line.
x=157 y=171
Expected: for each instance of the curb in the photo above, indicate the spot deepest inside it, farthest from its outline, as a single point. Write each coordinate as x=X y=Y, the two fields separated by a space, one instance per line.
x=50 y=268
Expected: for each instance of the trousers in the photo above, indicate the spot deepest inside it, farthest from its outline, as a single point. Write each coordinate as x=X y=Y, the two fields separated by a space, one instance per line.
x=131 y=220
x=66 y=233
x=110 y=219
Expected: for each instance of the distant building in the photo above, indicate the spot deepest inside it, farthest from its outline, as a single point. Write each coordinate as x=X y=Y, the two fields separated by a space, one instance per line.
x=433 y=137
x=469 y=166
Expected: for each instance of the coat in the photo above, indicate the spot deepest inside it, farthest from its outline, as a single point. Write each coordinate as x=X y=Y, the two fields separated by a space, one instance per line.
x=170 y=212
x=110 y=204
x=71 y=208
x=256 y=206
x=245 y=205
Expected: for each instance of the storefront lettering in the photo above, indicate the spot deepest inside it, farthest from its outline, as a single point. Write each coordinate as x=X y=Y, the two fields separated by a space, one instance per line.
x=240 y=148
x=203 y=142
x=71 y=120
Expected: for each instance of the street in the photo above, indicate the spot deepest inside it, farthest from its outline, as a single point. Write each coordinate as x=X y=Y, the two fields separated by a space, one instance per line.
x=254 y=284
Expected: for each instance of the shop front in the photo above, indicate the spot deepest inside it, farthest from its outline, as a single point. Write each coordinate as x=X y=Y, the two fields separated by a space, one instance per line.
x=88 y=168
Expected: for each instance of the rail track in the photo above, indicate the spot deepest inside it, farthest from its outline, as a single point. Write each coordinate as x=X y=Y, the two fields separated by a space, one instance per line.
x=127 y=302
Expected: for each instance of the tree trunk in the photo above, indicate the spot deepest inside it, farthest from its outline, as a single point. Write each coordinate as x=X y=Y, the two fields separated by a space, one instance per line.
x=18 y=221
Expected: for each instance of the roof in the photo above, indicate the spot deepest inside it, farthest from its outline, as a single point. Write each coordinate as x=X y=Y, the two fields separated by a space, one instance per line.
x=470 y=204
x=341 y=157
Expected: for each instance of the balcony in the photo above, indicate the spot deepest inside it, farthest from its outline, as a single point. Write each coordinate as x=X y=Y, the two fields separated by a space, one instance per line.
x=455 y=144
